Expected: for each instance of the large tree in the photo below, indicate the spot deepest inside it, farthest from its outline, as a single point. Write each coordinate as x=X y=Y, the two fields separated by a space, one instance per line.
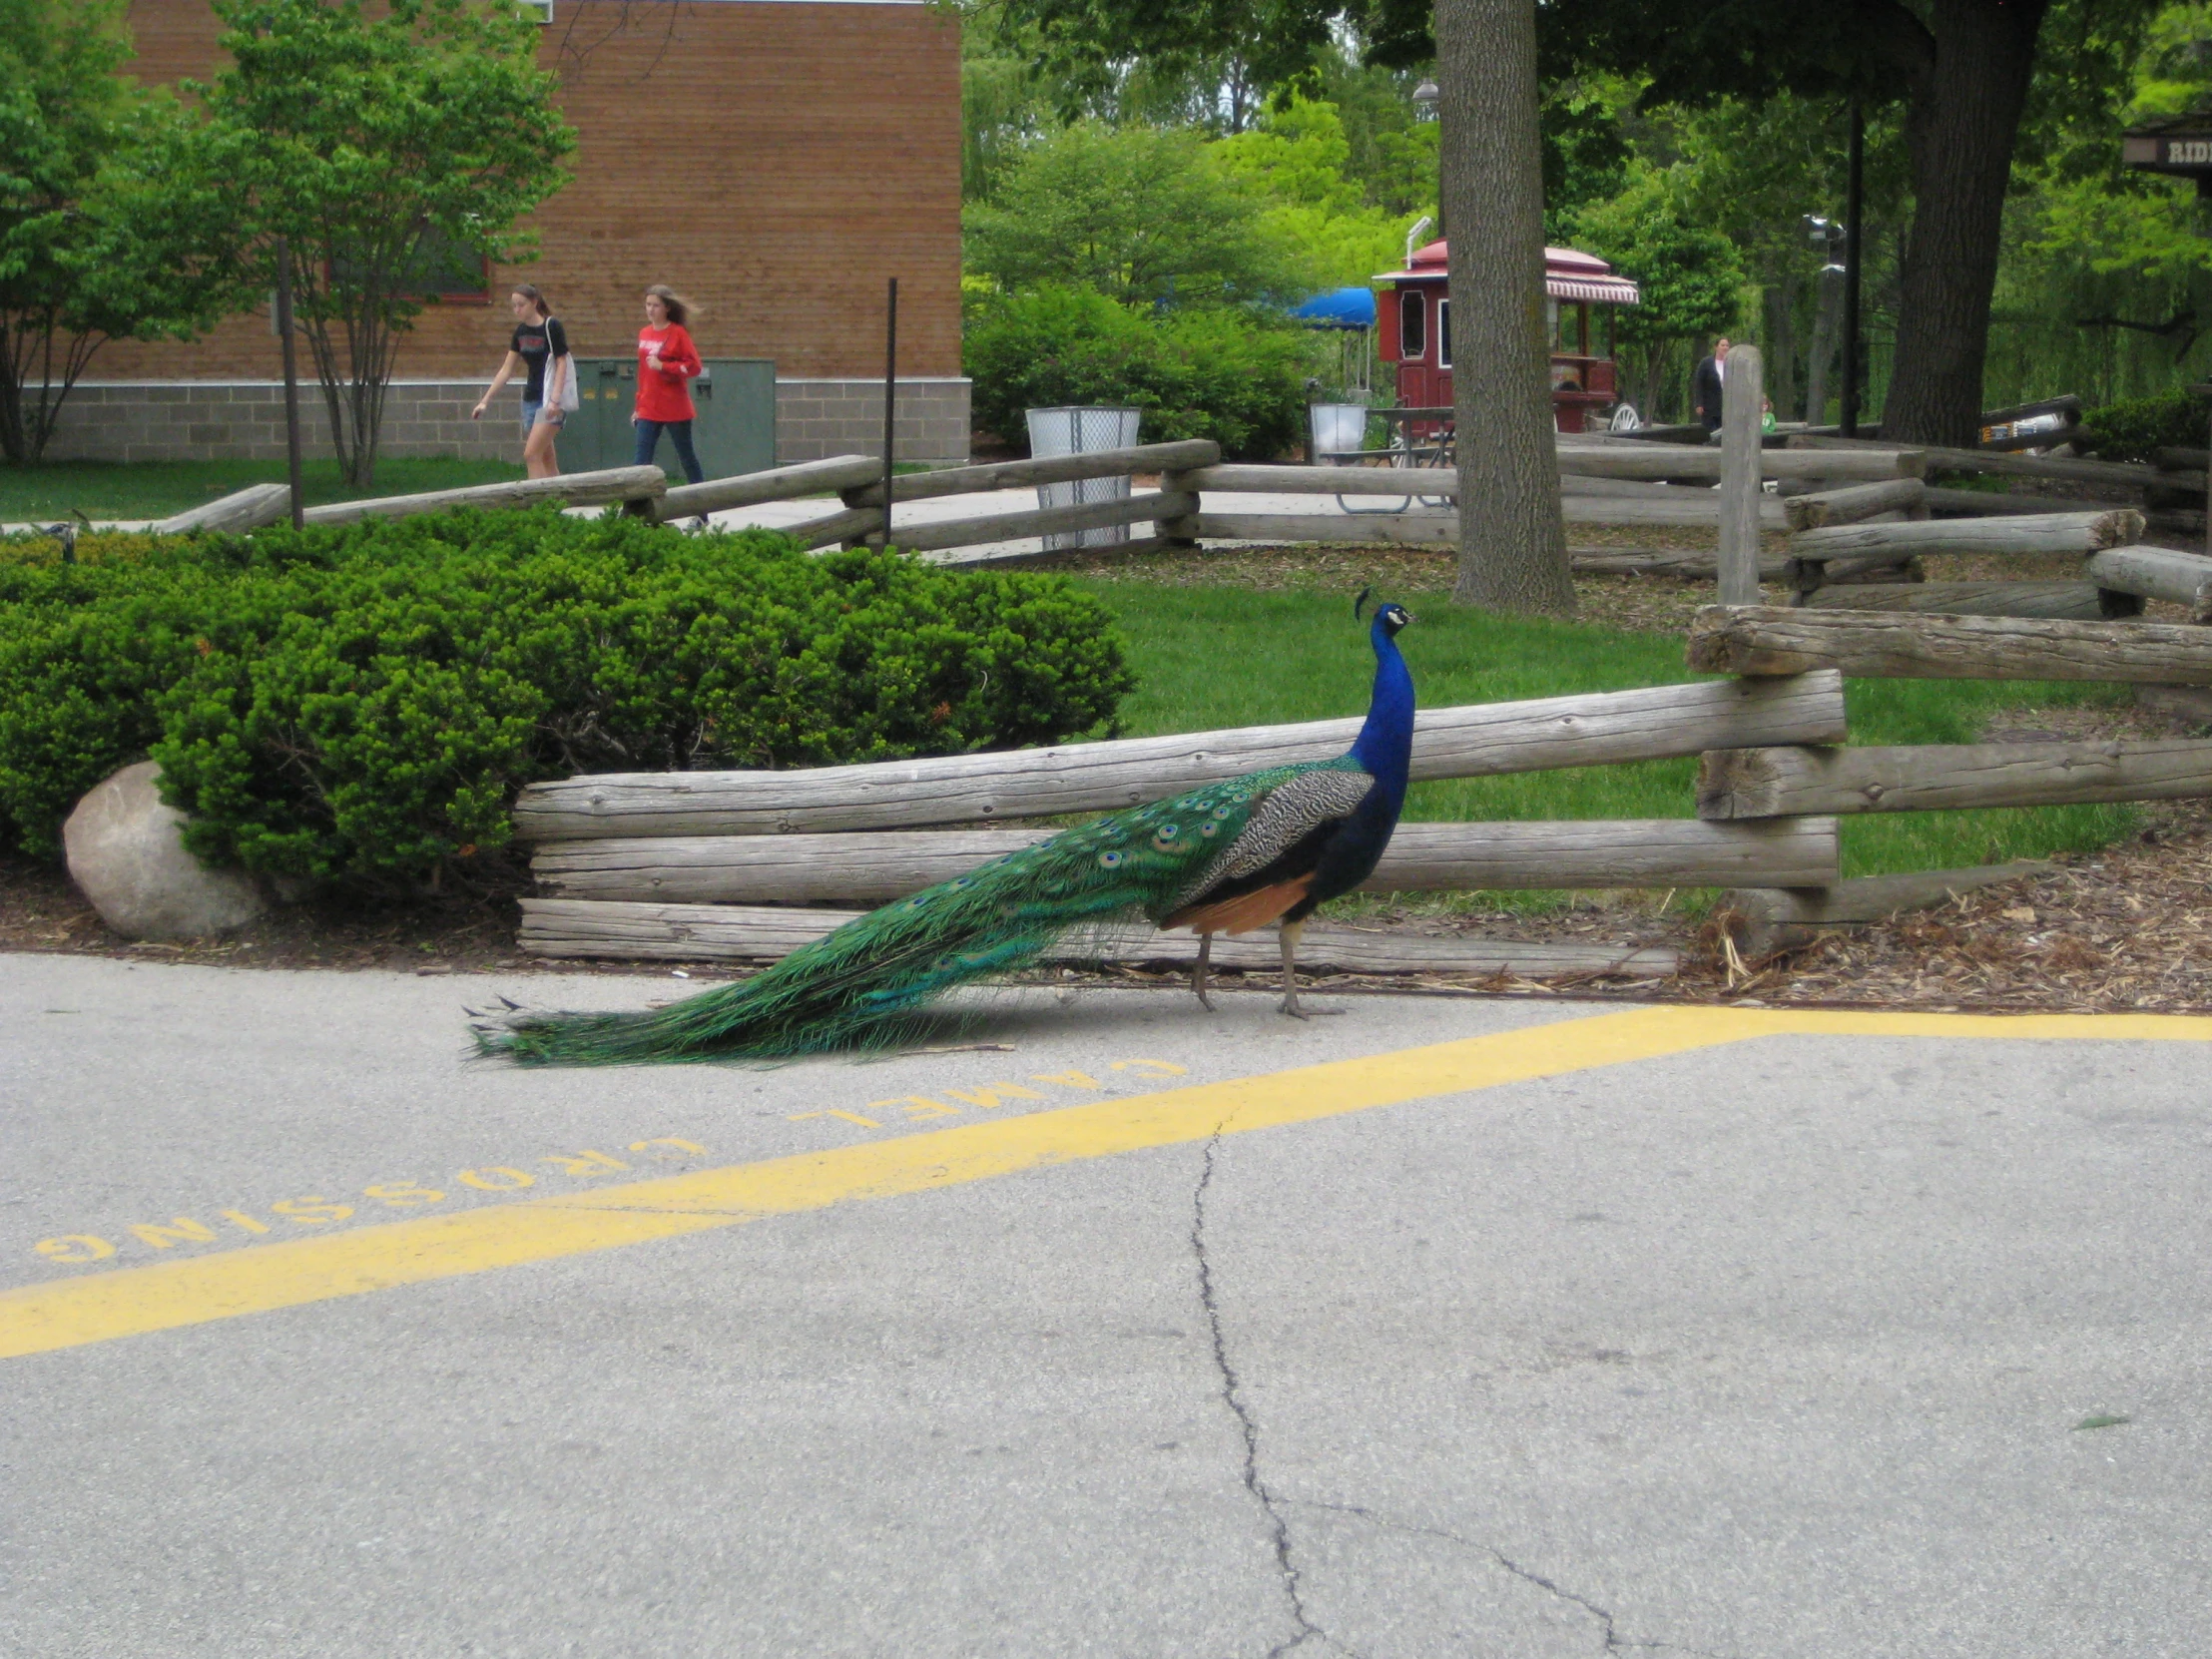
x=381 y=149
x=1512 y=545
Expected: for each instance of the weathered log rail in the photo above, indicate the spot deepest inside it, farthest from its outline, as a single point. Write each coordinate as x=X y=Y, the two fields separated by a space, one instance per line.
x=634 y=486
x=245 y=509
x=1768 y=641
x=733 y=932
x=1483 y=740
x=1794 y=851
x=1783 y=781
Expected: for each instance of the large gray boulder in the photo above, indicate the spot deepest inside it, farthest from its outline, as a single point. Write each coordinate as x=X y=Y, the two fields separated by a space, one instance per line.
x=126 y=855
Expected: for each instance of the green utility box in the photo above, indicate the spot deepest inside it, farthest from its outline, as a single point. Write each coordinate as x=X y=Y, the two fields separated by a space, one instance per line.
x=735 y=430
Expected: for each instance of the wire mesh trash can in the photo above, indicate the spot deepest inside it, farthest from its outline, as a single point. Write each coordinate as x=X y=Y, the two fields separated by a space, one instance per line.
x=1336 y=429
x=1082 y=432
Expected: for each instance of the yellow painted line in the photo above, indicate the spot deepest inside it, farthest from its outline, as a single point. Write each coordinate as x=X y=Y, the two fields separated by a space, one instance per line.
x=37 y=1318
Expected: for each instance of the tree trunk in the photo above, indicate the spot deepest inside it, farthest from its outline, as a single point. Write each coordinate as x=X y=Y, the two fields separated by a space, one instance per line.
x=1512 y=545
x=1963 y=115
x=1781 y=346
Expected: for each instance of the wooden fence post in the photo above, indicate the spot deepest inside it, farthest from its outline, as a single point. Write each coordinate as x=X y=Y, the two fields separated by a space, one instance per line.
x=1742 y=393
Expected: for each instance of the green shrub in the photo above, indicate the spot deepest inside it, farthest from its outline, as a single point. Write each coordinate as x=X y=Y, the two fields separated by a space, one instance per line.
x=1235 y=376
x=363 y=704
x=2130 y=431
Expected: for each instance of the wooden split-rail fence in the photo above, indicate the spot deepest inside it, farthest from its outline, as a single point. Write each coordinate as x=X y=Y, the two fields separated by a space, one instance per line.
x=746 y=865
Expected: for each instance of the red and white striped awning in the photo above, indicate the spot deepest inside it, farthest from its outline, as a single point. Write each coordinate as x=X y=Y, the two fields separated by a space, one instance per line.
x=1569 y=273
x=1599 y=290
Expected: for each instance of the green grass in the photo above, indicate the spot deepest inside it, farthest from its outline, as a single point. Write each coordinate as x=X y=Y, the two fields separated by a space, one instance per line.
x=155 y=490
x=1220 y=657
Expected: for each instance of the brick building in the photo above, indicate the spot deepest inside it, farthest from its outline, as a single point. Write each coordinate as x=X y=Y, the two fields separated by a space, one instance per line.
x=774 y=159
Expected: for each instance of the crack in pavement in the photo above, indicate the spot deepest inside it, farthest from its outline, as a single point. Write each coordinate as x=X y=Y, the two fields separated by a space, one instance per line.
x=1232 y=1393
x=1614 y=1641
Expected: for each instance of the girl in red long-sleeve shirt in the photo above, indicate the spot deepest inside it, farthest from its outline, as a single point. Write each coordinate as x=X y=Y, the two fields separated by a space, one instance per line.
x=667 y=360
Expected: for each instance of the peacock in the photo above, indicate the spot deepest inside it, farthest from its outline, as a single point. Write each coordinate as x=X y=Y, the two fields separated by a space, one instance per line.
x=1268 y=847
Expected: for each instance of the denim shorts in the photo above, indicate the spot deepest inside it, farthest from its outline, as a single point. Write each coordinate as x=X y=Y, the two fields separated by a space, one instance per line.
x=533 y=412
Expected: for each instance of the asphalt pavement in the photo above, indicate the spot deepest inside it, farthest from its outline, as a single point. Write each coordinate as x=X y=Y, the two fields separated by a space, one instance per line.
x=1430 y=1327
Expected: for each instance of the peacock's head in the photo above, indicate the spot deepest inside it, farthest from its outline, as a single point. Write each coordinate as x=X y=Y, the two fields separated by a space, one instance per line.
x=1389 y=616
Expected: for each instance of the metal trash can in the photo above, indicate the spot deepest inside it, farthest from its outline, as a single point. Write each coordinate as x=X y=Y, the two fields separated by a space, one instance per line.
x=1073 y=431
x=1335 y=429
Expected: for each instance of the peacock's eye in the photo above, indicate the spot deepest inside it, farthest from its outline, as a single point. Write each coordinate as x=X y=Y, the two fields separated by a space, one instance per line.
x=1207 y=828
x=1221 y=813
x=1110 y=860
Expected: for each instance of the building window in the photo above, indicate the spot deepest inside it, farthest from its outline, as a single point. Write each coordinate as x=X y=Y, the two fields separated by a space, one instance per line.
x=1443 y=334
x=1413 y=326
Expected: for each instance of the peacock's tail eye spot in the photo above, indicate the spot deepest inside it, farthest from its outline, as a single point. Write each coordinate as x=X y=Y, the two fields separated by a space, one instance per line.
x=1221 y=813
x=1110 y=860
x=1208 y=829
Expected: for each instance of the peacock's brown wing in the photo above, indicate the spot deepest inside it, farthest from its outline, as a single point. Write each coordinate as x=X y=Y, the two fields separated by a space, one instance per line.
x=1270 y=867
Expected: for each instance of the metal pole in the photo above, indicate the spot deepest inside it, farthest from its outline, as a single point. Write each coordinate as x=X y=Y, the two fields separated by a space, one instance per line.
x=891 y=400
x=291 y=380
x=1854 y=190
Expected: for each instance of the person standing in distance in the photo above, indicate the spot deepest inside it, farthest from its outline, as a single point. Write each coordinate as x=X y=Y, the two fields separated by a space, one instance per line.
x=539 y=347
x=1705 y=385
x=667 y=361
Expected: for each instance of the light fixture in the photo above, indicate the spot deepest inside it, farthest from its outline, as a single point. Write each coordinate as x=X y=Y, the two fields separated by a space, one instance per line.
x=1428 y=93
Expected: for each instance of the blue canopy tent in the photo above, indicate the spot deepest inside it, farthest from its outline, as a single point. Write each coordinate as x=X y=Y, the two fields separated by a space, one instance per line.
x=1350 y=315
x=1339 y=308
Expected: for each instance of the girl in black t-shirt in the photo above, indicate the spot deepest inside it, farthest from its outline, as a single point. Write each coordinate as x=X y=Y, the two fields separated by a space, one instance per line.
x=539 y=349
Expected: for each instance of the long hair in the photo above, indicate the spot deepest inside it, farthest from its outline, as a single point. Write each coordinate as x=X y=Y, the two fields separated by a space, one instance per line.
x=679 y=309
x=536 y=295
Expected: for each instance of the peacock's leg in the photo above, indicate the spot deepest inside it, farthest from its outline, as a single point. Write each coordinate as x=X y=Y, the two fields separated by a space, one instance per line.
x=1289 y=934
x=1198 y=974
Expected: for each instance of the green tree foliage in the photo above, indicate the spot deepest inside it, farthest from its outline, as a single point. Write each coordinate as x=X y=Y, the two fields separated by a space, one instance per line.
x=362 y=704
x=1392 y=147
x=83 y=259
x=1298 y=161
x=1225 y=374
x=383 y=146
x=2106 y=287
x=1691 y=277
x=1143 y=214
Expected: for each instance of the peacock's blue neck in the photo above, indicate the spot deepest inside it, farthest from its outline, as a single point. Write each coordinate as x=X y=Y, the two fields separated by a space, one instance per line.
x=1385 y=747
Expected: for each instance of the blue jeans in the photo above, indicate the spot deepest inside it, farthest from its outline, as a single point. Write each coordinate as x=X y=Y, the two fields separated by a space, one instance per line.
x=649 y=440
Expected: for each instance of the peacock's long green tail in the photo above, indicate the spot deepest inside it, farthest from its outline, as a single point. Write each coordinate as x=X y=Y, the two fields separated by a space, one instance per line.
x=866 y=984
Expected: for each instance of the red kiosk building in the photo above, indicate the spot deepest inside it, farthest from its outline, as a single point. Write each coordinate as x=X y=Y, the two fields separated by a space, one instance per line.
x=1414 y=319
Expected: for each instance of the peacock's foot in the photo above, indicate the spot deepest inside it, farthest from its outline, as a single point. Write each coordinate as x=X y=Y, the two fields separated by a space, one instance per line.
x=1203 y=1001
x=1297 y=1011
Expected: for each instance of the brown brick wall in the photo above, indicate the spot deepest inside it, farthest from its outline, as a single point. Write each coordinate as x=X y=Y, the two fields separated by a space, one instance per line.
x=773 y=160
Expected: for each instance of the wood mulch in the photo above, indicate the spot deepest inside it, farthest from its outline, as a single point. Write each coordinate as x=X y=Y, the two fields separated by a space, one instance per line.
x=2128 y=929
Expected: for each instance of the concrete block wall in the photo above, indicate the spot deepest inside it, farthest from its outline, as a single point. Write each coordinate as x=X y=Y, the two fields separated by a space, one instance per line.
x=815 y=418
x=205 y=420
x=199 y=420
